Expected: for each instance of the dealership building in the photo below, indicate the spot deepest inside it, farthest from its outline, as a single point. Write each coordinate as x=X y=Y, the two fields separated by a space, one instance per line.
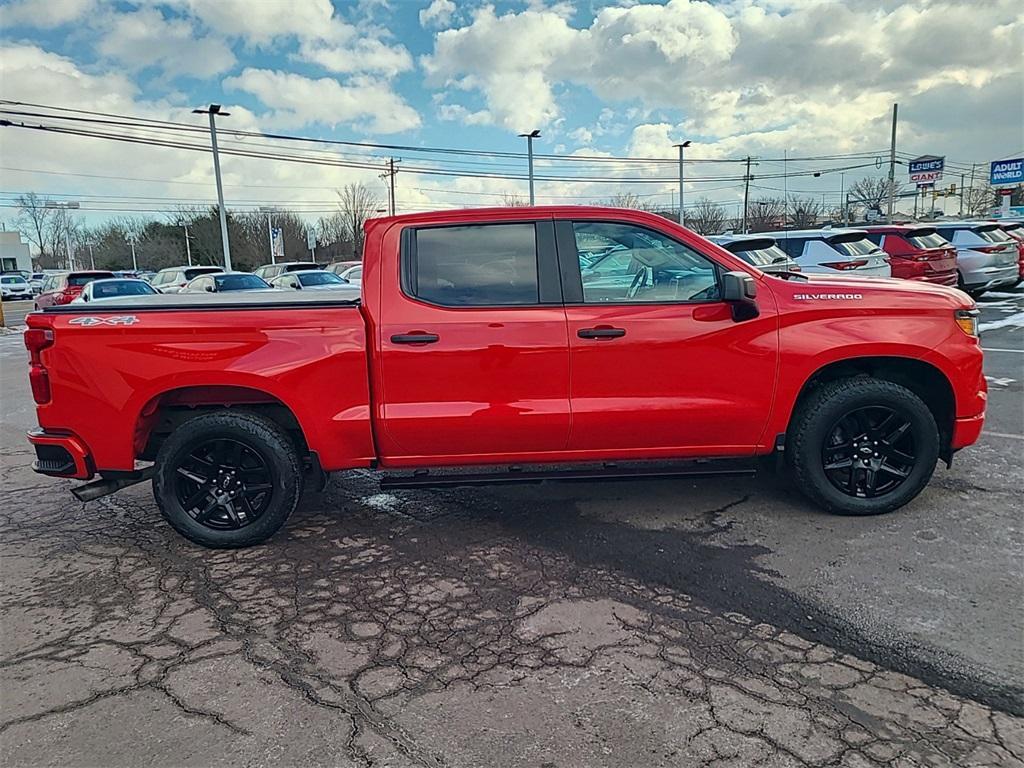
x=14 y=254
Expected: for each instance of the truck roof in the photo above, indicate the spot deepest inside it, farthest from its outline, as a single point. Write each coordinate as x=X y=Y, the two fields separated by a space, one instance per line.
x=519 y=212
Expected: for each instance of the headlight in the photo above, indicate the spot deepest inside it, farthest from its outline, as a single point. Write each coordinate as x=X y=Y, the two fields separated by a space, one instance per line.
x=967 y=319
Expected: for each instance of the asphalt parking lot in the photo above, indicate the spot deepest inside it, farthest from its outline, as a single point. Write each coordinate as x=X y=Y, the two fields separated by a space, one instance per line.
x=657 y=623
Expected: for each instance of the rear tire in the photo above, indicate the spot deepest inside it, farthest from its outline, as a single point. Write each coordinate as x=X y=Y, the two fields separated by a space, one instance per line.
x=227 y=479
x=862 y=446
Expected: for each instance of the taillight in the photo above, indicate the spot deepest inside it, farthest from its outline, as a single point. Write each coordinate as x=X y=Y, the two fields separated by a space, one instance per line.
x=36 y=340
x=847 y=265
x=989 y=248
x=64 y=297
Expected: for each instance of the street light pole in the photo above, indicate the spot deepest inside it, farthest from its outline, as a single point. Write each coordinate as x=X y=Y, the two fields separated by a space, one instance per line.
x=892 y=164
x=188 y=246
x=682 y=146
x=213 y=111
x=534 y=134
x=135 y=263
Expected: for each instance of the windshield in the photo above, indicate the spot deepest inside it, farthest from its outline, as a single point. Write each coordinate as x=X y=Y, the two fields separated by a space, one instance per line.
x=859 y=246
x=320 y=278
x=120 y=288
x=925 y=238
x=191 y=273
x=80 y=280
x=240 y=282
x=300 y=265
x=12 y=280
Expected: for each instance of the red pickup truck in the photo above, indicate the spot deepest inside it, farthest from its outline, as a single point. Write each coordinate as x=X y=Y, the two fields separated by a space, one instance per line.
x=575 y=340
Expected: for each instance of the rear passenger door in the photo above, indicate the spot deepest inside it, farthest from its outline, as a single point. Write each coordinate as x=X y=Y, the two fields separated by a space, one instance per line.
x=473 y=345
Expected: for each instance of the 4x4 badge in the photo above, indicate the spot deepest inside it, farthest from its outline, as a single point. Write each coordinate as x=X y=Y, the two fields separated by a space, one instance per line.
x=88 y=322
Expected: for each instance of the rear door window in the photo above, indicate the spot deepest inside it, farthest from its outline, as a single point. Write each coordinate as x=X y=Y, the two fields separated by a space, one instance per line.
x=794 y=246
x=853 y=246
x=478 y=265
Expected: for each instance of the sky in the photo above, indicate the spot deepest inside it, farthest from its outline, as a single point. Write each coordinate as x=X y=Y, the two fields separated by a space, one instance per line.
x=771 y=79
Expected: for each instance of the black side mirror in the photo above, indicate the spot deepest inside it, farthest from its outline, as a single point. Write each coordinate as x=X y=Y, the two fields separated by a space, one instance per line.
x=209 y=288
x=740 y=290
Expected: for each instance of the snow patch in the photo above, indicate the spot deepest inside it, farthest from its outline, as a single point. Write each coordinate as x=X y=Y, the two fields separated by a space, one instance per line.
x=382 y=501
x=1013 y=321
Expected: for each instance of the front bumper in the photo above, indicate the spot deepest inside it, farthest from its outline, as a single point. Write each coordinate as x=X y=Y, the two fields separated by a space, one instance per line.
x=17 y=296
x=60 y=455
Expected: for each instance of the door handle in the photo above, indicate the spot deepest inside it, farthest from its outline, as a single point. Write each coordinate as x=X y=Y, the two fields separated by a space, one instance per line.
x=415 y=338
x=600 y=333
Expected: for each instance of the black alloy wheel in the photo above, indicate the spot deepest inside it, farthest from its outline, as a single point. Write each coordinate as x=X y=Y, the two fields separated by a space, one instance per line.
x=870 y=451
x=223 y=484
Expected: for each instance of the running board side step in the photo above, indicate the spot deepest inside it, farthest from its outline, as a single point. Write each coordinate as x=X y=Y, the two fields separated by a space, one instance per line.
x=453 y=477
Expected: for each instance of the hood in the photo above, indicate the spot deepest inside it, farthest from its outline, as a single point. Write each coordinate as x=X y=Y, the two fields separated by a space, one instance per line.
x=873 y=291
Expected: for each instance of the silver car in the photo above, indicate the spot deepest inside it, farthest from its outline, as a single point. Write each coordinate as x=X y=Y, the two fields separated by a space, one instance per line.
x=758 y=250
x=986 y=257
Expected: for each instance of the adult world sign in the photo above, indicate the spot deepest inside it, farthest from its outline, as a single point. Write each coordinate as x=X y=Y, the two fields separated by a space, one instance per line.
x=1007 y=171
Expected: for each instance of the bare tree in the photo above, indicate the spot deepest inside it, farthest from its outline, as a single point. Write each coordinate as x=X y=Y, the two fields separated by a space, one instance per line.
x=356 y=203
x=980 y=200
x=33 y=220
x=628 y=200
x=766 y=213
x=706 y=217
x=872 y=193
x=513 y=200
x=804 y=212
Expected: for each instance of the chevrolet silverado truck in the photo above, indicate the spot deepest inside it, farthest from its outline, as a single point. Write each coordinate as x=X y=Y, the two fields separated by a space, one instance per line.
x=492 y=346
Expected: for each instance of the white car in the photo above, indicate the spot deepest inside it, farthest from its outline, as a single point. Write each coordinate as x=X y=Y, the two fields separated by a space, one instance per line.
x=113 y=288
x=14 y=287
x=986 y=257
x=833 y=252
x=312 y=280
x=354 y=275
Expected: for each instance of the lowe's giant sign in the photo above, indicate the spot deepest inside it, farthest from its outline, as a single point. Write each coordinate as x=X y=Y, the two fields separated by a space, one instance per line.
x=1007 y=171
x=926 y=169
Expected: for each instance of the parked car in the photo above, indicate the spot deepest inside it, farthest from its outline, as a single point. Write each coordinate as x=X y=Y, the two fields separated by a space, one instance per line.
x=36 y=281
x=226 y=282
x=353 y=274
x=833 y=251
x=481 y=345
x=268 y=271
x=916 y=252
x=311 y=280
x=173 y=279
x=341 y=266
x=14 y=287
x=113 y=288
x=146 y=275
x=763 y=252
x=986 y=257
x=63 y=287
x=1015 y=229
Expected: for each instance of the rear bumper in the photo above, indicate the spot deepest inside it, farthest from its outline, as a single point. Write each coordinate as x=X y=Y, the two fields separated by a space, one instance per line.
x=991 y=277
x=60 y=455
x=939 y=278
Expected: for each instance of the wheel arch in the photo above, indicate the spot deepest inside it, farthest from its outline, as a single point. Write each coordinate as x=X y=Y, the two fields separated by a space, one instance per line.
x=924 y=379
x=163 y=412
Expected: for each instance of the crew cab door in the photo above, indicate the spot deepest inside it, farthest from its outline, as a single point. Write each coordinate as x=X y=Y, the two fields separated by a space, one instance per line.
x=659 y=365
x=473 y=345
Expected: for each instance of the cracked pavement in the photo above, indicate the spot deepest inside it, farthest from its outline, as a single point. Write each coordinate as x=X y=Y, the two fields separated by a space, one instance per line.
x=662 y=623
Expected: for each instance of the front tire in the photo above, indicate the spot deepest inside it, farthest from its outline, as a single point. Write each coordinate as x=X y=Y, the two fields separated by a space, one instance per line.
x=227 y=479
x=862 y=446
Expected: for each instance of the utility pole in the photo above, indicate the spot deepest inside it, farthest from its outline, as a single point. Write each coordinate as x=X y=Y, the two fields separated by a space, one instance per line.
x=213 y=111
x=842 y=197
x=961 y=213
x=785 y=188
x=390 y=174
x=92 y=258
x=746 y=194
x=188 y=246
x=682 y=194
x=534 y=134
x=892 y=163
x=270 y=232
x=135 y=263
x=970 y=197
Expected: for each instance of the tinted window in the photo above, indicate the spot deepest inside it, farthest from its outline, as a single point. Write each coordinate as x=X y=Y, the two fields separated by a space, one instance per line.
x=86 y=279
x=300 y=266
x=12 y=280
x=925 y=239
x=125 y=288
x=485 y=265
x=192 y=273
x=993 y=235
x=794 y=246
x=355 y=274
x=860 y=246
x=760 y=257
x=640 y=265
x=320 y=278
x=241 y=281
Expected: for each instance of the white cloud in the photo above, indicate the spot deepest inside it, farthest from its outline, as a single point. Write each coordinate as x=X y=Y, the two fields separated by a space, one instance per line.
x=458 y=113
x=260 y=22
x=44 y=14
x=361 y=55
x=145 y=38
x=295 y=100
x=437 y=14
